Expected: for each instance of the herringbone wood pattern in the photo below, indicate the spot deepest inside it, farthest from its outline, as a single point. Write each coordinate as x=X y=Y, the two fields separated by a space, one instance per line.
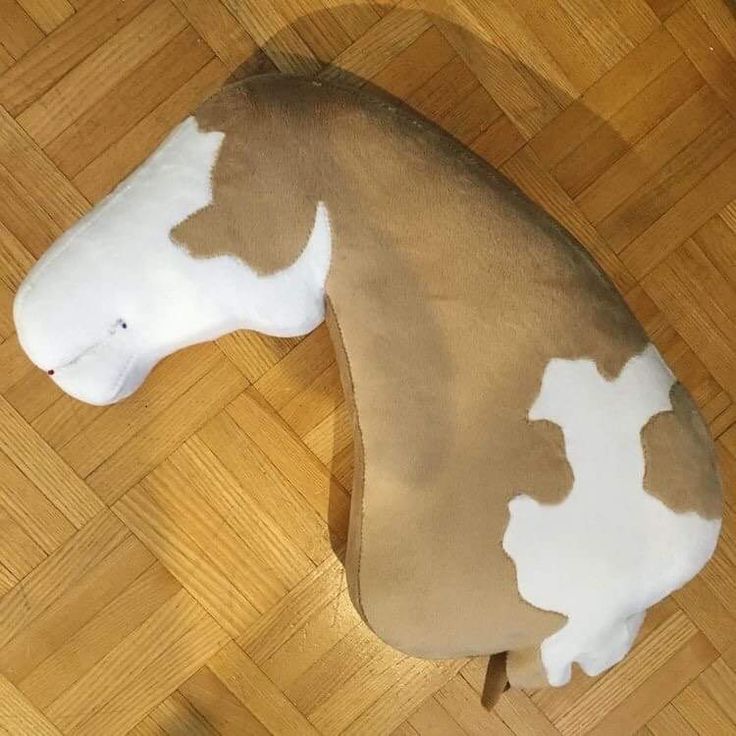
x=167 y=565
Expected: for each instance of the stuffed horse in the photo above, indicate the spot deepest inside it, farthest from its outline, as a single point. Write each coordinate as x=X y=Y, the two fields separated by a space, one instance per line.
x=530 y=477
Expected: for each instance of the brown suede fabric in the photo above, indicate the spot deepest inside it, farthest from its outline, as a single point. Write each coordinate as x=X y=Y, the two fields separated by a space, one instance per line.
x=449 y=293
x=680 y=459
x=525 y=670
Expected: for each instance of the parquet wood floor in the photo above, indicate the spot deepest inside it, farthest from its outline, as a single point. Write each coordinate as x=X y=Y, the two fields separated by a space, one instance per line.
x=167 y=564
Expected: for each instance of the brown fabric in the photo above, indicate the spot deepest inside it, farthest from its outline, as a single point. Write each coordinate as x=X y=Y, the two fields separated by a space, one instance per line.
x=681 y=468
x=449 y=293
x=525 y=670
x=268 y=176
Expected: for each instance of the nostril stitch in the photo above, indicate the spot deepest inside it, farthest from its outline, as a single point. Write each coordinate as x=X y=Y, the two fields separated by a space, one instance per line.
x=111 y=330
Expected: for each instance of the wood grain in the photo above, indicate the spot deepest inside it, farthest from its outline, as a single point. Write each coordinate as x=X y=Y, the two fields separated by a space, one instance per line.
x=172 y=565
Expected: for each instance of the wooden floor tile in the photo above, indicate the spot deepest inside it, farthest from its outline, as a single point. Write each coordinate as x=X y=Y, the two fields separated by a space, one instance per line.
x=172 y=565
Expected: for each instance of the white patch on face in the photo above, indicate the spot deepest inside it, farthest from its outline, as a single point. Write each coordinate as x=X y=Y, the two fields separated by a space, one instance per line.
x=609 y=550
x=115 y=294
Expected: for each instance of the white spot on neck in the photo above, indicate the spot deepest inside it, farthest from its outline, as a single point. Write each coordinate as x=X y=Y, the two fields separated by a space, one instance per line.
x=610 y=549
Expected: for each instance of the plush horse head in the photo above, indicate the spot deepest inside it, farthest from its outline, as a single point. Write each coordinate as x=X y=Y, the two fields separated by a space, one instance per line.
x=530 y=477
x=116 y=293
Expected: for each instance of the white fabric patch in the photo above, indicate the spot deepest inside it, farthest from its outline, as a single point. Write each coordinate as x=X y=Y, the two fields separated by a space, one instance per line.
x=119 y=266
x=609 y=550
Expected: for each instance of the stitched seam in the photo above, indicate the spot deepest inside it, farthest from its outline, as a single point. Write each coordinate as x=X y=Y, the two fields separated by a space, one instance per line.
x=354 y=403
x=124 y=373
